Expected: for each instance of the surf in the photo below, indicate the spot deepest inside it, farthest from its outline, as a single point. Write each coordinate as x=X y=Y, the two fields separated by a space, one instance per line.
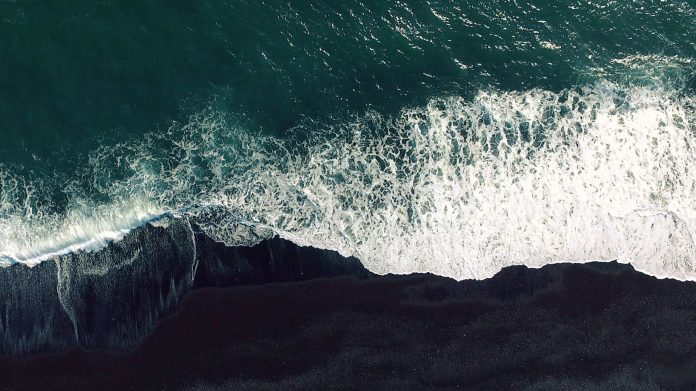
x=459 y=187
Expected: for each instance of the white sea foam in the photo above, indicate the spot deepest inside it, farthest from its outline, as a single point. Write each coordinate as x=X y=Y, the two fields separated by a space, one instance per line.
x=460 y=187
x=454 y=188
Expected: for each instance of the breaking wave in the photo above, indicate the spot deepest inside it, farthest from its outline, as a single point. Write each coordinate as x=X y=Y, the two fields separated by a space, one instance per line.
x=460 y=187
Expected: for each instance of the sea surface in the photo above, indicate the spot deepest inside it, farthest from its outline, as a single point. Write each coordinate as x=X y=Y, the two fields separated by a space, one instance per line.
x=451 y=137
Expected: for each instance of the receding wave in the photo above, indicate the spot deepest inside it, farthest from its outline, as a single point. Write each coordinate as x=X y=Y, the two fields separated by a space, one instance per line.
x=461 y=187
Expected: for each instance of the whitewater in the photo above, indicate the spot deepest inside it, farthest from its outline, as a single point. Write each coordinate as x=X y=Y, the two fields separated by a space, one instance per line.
x=460 y=187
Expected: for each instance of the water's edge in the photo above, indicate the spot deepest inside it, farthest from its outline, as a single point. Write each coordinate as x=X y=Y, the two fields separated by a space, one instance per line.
x=580 y=326
x=112 y=298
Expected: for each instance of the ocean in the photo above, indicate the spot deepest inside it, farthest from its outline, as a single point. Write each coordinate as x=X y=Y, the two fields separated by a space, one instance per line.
x=449 y=137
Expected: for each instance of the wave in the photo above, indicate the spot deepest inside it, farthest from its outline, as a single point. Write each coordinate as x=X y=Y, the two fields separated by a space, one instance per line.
x=460 y=187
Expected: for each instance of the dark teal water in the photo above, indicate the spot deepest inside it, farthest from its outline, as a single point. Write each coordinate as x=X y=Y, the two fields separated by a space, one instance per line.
x=105 y=102
x=79 y=74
